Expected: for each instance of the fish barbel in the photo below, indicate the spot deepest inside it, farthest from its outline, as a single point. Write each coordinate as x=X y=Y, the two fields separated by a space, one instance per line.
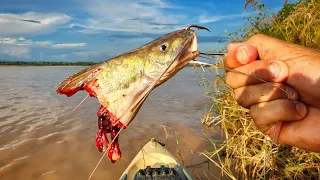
x=123 y=83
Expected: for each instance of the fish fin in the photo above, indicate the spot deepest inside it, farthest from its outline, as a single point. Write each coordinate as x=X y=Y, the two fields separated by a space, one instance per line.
x=129 y=115
x=80 y=81
x=131 y=112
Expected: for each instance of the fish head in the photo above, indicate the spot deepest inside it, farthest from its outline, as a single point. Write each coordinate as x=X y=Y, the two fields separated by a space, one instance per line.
x=171 y=52
x=173 y=46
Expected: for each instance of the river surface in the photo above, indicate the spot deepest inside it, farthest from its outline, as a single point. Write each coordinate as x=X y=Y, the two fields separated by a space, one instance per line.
x=41 y=138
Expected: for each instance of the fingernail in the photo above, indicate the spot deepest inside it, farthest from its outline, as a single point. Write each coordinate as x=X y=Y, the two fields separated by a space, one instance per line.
x=300 y=109
x=242 y=55
x=275 y=69
x=293 y=95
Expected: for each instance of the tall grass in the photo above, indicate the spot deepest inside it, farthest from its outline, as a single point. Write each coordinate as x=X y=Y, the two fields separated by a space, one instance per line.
x=297 y=23
x=248 y=153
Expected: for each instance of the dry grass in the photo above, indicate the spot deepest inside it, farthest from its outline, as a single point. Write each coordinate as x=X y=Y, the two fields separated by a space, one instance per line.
x=248 y=153
x=301 y=27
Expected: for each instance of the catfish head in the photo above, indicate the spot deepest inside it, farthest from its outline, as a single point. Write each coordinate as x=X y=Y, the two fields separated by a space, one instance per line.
x=168 y=54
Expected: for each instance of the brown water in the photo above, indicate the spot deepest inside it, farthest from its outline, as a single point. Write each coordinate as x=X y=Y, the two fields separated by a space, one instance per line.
x=41 y=138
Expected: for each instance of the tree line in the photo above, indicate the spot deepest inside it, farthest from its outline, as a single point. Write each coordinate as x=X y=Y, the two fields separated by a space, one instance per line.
x=44 y=63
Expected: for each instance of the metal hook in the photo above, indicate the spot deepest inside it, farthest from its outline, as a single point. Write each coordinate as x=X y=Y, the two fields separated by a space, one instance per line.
x=196 y=26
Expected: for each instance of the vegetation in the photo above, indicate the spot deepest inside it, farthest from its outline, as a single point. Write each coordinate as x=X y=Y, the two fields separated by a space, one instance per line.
x=295 y=23
x=41 y=63
x=245 y=152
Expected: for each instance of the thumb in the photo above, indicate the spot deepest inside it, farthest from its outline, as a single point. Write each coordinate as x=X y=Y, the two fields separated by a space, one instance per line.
x=240 y=54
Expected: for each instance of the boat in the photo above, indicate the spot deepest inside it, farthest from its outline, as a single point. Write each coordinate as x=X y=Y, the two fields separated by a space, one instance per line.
x=155 y=162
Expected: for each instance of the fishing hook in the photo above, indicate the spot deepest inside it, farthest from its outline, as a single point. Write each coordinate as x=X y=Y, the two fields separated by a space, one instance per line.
x=196 y=26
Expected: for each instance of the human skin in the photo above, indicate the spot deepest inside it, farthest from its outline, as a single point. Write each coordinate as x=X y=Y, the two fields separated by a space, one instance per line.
x=291 y=96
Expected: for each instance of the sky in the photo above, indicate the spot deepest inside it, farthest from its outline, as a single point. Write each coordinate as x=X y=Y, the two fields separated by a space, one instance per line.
x=97 y=30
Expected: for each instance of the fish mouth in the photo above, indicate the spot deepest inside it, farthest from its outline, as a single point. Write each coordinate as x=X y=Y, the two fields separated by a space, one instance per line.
x=193 y=48
x=194 y=43
x=188 y=53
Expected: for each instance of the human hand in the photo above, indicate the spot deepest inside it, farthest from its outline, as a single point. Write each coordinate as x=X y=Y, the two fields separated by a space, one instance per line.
x=290 y=67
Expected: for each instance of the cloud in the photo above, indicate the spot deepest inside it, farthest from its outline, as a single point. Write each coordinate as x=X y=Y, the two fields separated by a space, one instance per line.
x=22 y=49
x=208 y=19
x=15 y=52
x=24 y=42
x=153 y=16
x=31 y=23
x=19 y=48
x=62 y=46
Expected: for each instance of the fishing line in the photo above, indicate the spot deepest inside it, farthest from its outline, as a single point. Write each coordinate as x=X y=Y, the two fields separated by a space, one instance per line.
x=80 y=103
x=213 y=54
x=274 y=125
x=150 y=89
x=197 y=164
x=152 y=86
x=147 y=92
x=104 y=153
x=269 y=153
x=215 y=66
x=124 y=114
x=143 y=150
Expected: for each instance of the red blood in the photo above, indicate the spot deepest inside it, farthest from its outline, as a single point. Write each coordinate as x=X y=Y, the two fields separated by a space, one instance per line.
x=98 y=141
x=104 y=123
x=114 y=132
x=102 y=111
x=114 y=153
x=108 y=123
x=69 y=92
x=72 y=85
x=105 y=142
x=90 y=91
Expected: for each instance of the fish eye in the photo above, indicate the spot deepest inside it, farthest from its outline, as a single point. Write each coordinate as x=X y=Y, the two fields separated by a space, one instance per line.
x=163 y=47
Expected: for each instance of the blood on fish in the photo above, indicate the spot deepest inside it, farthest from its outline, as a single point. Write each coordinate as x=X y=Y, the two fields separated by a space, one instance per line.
x=108 y=123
